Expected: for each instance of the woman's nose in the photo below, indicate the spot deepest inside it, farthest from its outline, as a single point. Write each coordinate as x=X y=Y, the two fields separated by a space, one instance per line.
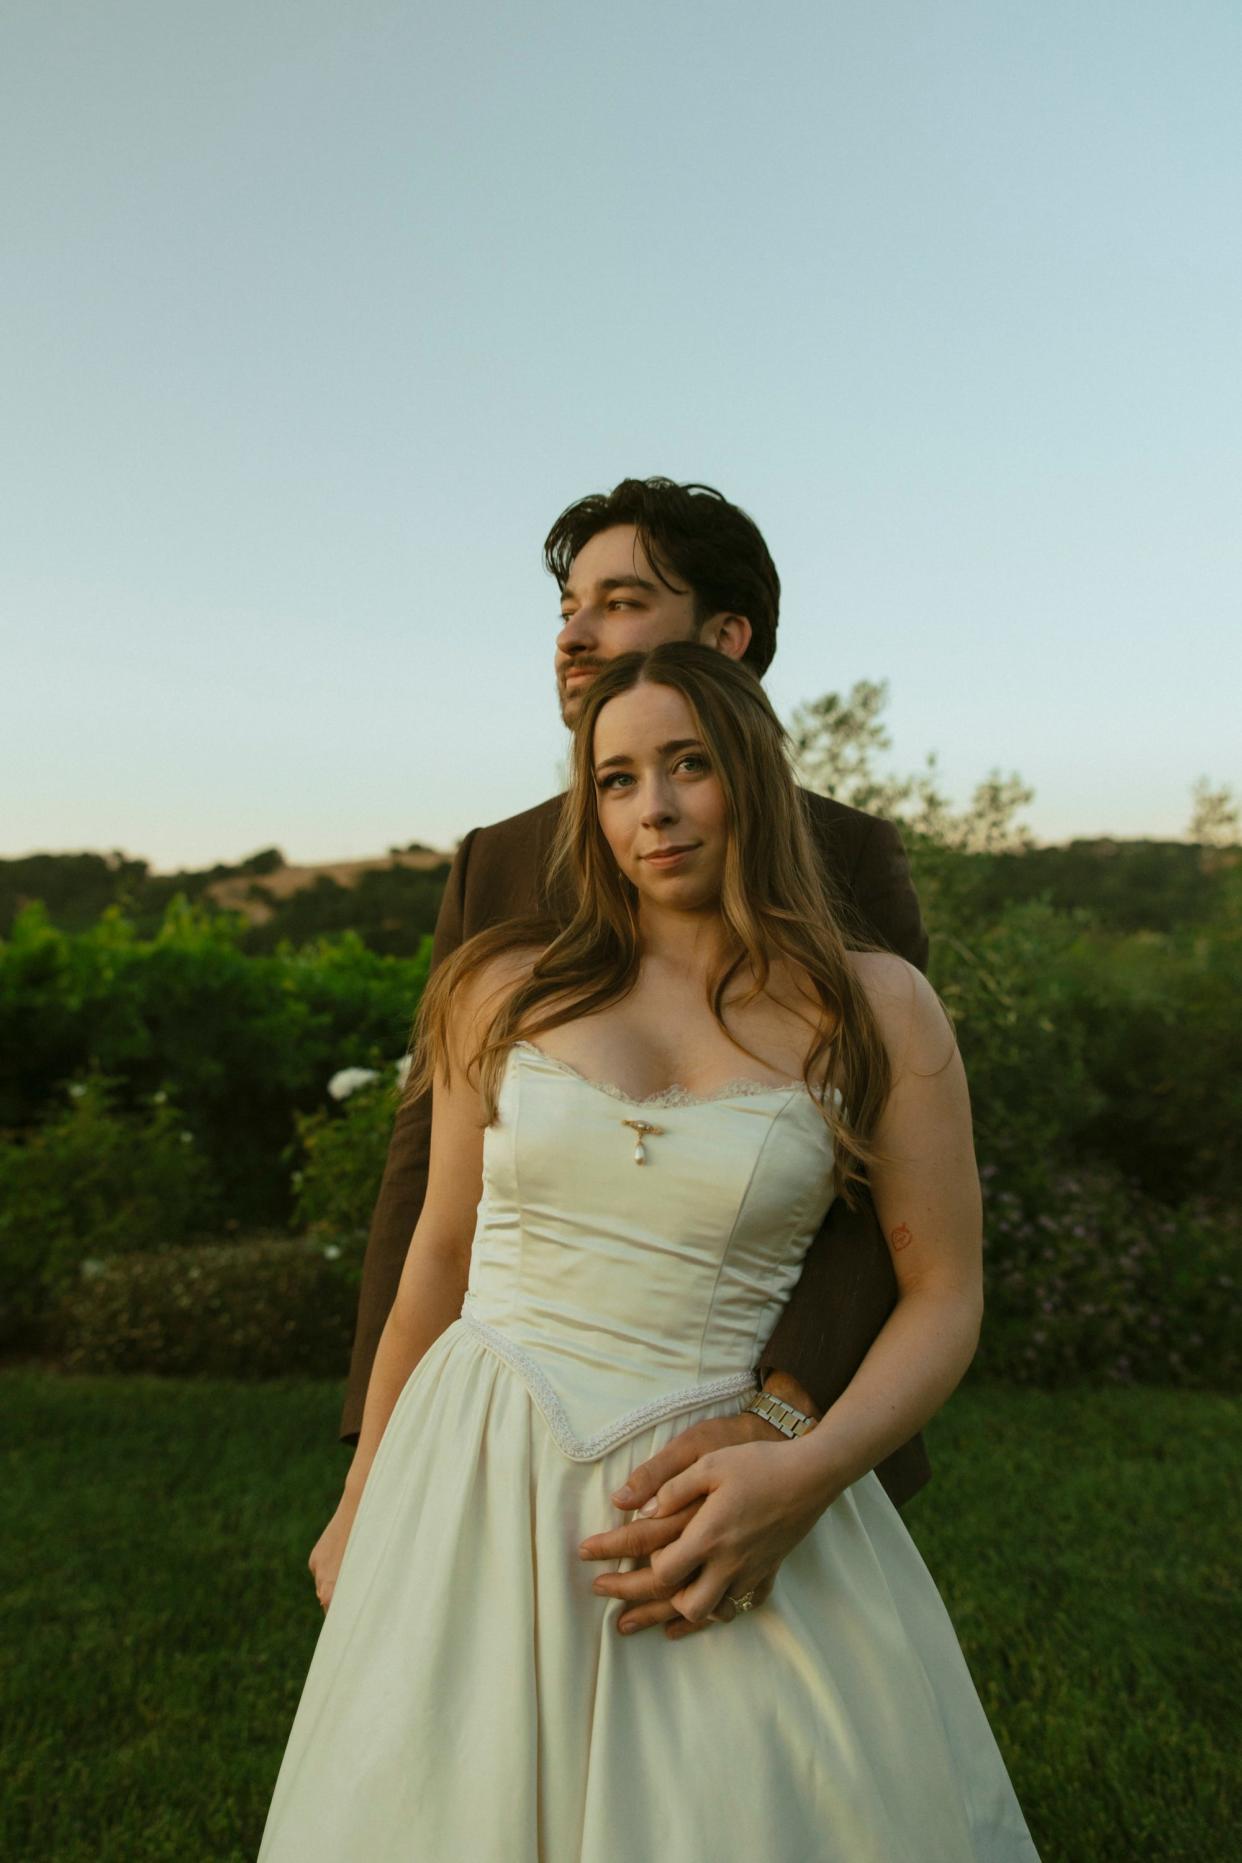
x=658 y=805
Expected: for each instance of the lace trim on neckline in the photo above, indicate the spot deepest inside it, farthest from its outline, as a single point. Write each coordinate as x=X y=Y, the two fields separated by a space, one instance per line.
x=743 y=1085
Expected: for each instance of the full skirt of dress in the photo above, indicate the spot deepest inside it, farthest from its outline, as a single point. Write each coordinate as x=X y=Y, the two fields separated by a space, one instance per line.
x=469 y=1698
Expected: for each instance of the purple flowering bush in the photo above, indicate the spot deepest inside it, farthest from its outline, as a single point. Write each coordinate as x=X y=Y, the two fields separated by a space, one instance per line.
x=1100 y=1284
x=1105 y=1109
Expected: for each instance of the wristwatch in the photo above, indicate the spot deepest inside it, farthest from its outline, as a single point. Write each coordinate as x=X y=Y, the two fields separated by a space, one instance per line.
x=779 y=1414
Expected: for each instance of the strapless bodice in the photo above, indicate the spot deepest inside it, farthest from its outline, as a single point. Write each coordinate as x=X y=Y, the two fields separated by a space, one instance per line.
x=623 y=1292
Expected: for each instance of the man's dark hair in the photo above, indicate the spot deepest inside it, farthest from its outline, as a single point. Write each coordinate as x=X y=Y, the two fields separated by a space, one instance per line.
x=693 y=532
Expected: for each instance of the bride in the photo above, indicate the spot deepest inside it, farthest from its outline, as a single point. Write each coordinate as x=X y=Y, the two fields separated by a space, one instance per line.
x=640 y=1120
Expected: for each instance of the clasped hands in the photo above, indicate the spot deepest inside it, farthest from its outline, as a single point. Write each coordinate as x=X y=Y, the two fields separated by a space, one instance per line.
x=715 y=1512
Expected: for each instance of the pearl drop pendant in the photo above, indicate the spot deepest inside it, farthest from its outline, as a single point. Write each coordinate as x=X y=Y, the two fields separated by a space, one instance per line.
x=641 y=1127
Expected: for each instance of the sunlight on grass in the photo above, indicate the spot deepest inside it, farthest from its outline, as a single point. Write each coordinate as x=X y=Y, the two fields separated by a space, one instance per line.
x=159 y=1617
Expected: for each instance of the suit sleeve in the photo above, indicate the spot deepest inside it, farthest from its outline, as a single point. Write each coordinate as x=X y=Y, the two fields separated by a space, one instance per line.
x=404 y=1184
x=884 y=892
x=848 y=1286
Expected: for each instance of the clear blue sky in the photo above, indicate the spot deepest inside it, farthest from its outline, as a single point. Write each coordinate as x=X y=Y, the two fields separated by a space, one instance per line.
x=316 y=315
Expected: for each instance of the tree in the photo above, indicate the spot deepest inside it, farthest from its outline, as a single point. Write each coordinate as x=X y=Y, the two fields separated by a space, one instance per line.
x=835 y=741
x=1214 y=821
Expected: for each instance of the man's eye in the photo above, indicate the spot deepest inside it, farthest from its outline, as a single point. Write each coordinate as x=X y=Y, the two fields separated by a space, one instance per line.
x=619 y=601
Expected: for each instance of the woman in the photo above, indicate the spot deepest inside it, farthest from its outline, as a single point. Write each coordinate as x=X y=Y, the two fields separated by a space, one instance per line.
x=639 y=1122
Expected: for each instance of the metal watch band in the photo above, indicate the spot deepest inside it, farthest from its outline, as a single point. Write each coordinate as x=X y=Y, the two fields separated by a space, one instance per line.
x=782 y=1416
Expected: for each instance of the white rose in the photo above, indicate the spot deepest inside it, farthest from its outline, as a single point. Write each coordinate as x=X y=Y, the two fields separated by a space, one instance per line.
x=347 y=1080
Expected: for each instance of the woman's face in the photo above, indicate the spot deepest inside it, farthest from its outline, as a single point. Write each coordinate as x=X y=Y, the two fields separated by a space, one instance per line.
x=655 y=789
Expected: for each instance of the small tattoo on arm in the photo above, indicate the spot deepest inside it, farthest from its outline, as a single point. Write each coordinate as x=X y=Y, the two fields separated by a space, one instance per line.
x=900 y=1236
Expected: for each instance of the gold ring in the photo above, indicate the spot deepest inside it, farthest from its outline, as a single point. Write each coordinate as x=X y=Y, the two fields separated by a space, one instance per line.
x=745 y=1603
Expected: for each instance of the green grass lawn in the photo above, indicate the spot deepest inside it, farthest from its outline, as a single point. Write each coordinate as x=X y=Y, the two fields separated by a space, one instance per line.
x=158 y=1616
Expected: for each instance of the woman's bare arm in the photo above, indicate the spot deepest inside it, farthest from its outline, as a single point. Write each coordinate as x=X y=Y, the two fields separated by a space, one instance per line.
x=930 y=1209
x=437 y=1264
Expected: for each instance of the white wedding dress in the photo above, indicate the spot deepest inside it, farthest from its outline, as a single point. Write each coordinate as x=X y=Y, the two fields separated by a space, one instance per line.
x=469 y=1699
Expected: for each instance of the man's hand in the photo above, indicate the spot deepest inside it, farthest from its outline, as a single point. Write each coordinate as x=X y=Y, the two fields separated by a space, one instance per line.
x=652 y=1594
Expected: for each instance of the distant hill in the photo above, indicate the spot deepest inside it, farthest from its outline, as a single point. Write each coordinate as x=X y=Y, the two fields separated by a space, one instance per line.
x=389 y=900
x=260 y=899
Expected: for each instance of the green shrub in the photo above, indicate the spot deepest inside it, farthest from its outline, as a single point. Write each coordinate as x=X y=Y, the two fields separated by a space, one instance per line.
x=241 y=1043
x=1025 y=1052
x=265 y=1308
x=92 y=1181
x=343 y=1153
x=1084 y=1048
x=1105 y=1096
x=1160 y=1016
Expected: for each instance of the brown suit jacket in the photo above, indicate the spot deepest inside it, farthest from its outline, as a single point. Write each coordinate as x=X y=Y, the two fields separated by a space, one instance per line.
x=848 y=1286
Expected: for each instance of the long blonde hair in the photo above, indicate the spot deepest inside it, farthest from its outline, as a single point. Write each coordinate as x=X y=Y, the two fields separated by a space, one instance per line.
x=775 y=899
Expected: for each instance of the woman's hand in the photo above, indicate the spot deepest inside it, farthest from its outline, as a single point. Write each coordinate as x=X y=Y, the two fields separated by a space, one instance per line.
x=329 y=1550
x=736 y=1508
x=756 y=1501
x=639 y=1538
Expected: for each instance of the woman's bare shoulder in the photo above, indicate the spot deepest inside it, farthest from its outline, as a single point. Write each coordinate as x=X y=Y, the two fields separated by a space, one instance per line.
x=883 y=975
x=479 y=995
x=507 y=968
x=497 y=977
x=909 y=1013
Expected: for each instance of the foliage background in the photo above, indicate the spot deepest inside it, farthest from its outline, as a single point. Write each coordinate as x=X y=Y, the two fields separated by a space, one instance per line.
x=164 y=1093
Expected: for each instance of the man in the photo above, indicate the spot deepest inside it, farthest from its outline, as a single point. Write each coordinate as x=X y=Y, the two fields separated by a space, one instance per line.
x=648 y=562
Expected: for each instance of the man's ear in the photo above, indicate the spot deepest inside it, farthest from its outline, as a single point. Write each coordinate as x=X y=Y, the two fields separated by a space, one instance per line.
x=728 y=633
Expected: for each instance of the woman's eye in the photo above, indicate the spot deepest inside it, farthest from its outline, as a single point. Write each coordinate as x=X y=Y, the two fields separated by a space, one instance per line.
x=619 y=776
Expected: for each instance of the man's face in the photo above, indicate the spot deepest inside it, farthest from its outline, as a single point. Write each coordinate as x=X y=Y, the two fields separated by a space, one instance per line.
x=614 y=603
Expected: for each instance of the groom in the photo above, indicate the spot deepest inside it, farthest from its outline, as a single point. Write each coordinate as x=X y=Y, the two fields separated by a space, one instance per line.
x=648 y=562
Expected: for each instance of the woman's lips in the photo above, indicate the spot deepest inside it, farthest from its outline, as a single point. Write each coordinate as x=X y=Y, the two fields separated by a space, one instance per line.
x=670 y=859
